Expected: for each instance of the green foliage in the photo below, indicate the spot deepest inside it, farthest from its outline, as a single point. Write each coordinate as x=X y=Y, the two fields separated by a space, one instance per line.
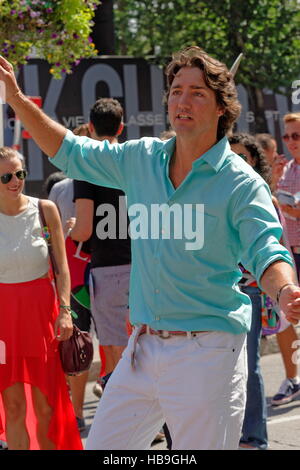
x=56 y=30
x=266 y=31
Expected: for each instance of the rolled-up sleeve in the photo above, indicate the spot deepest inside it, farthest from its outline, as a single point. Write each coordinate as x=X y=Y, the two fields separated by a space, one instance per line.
x=259 y=229
x=97 y=162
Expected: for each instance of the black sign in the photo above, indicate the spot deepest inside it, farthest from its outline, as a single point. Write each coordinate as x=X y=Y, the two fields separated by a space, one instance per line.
x=137 y=84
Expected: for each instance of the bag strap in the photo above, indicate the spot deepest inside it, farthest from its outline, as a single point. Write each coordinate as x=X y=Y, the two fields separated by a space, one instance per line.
x=47 y=237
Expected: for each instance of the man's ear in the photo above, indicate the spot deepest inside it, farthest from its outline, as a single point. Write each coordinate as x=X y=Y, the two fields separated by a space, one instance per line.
x=221 y=111
x=91 y=127
x=120 y=130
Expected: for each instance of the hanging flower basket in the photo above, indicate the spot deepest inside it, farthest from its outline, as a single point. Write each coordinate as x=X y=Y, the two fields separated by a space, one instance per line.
x=58 y=31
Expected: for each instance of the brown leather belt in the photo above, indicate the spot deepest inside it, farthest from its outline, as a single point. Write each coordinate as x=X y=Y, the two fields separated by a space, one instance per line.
x=165 y=334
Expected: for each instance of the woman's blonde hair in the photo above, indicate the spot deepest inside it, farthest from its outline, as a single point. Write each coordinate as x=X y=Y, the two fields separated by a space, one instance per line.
x=7 y=153
x=291 y=117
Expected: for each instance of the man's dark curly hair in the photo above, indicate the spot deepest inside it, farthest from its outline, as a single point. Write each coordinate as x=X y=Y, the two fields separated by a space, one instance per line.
x=216 y=76
x=256 y=152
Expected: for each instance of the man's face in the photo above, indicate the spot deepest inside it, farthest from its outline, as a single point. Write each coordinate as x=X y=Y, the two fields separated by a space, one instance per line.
x=293 y=146
x=192 y=106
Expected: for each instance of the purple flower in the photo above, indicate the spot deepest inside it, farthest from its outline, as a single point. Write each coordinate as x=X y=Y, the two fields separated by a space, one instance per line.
x=90 y=39
x=57 y=64
x=34 y=14
x=49 y=10
x=75 y=36
x=13 y=12
x=60 y=42
x=54 y=35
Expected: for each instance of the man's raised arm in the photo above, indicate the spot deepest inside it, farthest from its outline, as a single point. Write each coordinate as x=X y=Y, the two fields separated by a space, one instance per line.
x=47 y=133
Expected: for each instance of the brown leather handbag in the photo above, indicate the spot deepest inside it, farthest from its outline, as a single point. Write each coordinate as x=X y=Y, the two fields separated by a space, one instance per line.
x=76 y=353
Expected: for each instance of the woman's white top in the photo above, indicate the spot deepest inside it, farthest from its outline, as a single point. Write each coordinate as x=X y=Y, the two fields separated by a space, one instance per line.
x=23 y=250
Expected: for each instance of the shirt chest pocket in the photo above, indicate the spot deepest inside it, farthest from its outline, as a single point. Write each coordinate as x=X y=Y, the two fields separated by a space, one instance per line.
x=200 y=232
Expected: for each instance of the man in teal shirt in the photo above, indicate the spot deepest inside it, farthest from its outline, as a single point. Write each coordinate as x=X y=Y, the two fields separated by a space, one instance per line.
x=196 y=211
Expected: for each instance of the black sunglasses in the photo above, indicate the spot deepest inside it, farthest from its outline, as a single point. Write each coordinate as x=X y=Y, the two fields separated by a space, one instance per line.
x=20 y=174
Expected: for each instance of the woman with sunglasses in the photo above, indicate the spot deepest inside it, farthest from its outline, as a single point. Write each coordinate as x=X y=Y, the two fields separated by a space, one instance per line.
x=35 y=409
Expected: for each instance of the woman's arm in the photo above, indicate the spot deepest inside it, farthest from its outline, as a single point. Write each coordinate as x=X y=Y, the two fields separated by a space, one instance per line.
x=64 y=320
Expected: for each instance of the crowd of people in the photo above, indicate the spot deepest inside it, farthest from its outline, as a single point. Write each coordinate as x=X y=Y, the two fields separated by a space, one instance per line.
x=150 y=298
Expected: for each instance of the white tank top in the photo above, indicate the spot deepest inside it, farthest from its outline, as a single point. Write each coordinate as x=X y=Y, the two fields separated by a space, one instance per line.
x=23 y=250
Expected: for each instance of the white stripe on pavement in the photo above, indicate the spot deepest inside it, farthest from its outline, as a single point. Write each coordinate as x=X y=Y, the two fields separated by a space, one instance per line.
x=283 y=420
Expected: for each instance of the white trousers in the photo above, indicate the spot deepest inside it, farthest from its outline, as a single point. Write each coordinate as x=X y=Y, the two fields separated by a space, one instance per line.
x=196 y=385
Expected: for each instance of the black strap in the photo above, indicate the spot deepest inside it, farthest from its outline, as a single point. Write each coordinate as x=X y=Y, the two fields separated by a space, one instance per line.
x=48 y=239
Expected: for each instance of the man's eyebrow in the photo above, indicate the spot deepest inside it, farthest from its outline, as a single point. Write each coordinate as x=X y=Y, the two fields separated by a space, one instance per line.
x=194 y=87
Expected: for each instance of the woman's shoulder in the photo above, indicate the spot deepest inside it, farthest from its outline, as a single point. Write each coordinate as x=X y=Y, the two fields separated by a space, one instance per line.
x=50 y=211
x=46 y=203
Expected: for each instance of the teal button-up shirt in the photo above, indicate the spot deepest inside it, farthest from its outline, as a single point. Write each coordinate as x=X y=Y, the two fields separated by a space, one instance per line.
x=179 y=282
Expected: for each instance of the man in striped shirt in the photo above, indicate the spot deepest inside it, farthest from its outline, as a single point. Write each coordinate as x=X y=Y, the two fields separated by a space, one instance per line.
x=290 y=181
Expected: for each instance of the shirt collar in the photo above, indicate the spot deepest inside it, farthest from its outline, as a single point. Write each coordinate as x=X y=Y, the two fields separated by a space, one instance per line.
x=169 y=146
x=294 y=163
x=215 y=156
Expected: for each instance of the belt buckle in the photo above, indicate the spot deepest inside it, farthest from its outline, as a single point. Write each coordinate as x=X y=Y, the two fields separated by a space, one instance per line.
x=164 y=334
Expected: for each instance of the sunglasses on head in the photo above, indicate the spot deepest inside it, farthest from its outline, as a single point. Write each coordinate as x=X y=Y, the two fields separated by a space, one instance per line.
x=20 y=174
x=294 y=136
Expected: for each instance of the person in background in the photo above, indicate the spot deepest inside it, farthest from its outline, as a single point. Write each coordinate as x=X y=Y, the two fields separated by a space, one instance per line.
x=290 y=181
x=110 y=258
x=51 y=180
x=276 y=162
x=254 y=430
x=62 y=194
x=35 y=409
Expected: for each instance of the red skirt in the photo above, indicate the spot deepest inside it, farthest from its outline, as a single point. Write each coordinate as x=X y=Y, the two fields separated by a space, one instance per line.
x=29 y=354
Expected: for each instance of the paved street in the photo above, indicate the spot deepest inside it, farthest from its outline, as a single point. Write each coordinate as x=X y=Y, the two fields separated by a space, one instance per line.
x=283 y=421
